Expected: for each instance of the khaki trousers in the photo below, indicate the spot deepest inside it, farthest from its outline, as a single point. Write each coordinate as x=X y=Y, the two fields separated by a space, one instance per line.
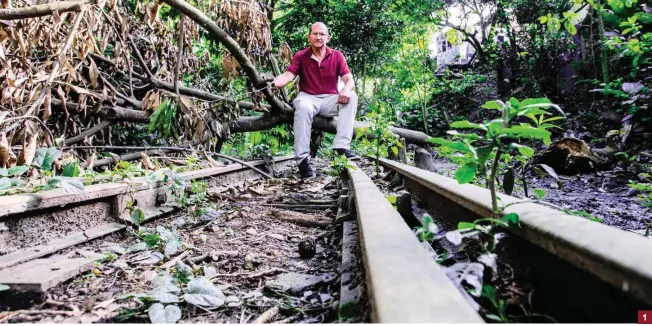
x=307 y=106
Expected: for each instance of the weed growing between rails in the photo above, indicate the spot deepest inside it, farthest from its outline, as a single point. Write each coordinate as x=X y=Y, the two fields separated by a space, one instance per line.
x=383 y=137
x=483 y=154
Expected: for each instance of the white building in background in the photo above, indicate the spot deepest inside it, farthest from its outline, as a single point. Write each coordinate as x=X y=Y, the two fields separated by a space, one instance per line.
x=462 y=52
x=449 y=54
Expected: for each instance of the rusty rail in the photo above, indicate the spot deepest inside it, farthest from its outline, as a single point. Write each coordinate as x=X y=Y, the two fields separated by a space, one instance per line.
x=569 y=258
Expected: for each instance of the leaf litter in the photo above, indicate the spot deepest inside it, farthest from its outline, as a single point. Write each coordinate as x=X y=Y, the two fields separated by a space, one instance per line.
x=222 y=278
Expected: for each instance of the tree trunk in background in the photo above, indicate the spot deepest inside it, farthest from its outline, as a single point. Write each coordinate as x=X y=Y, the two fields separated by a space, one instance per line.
x=603 y=47
x=364 y=80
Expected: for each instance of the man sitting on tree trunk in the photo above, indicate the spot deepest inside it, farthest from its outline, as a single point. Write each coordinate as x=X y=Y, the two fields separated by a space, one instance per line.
x=319 y=68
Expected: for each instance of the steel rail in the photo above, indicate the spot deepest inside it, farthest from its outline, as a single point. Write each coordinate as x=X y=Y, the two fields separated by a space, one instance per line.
x=404 y=284
x=619 y=259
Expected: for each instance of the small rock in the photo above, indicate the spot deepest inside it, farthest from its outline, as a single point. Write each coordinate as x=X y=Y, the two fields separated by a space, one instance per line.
x=295 y=283
x=254 y=259
x=325 y=297
x=252 y=231
x=231 y=298
x=148 y=276
x=253 y=294
x=307 y=294
x=554 y=185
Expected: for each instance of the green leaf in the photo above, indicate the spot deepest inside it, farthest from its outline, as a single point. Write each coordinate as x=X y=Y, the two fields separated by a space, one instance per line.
x=466 y=172
x=395 y=150
x=543 y=20
x=465 y=226
x=527 y=131
x=493 y=105
x=508 y=181
x=169 y=314
x=201 y=292
x=256 y=137
x=17 y=171
x=69 y=185
x=514 y=103
x=540 y=193
x=483 y=154
x=45 y=157
x=171 y=247
x=137 y=216
x=510 y=219
x=391 y=199
x=5 y=183
x=456 y=133
x=71 y=169
x=489 y=292
x=465 y=124
x=524 y=150
x=360 y=132
x=456 y=145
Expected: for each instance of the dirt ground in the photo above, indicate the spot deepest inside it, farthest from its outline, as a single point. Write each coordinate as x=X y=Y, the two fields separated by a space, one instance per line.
x=266 y=234
x=603 y=194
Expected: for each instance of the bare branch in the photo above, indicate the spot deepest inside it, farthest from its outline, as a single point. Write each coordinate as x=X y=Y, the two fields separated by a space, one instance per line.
x=42 y=10
x=92 y=131
x=177 y=68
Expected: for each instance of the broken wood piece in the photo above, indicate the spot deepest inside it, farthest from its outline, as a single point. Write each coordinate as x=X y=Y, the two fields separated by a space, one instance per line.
x=175 y=260
x=40 y=275
x=27 y=254
x=267 y=316
x=198 y=259
x=267 y=272
x=311 y=207
x=286 y=320
x=299 y=219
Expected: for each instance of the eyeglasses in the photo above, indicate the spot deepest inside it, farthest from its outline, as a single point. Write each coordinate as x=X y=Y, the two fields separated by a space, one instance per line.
x=319 y=34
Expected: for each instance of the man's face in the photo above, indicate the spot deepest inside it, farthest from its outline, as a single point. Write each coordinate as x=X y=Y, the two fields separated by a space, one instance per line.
x=318 y=36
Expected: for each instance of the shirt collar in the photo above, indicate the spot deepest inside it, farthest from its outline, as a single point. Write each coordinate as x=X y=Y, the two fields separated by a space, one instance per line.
x=309 y=53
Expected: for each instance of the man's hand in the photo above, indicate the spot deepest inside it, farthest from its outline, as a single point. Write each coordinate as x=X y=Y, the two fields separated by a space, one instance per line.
x=344 y=97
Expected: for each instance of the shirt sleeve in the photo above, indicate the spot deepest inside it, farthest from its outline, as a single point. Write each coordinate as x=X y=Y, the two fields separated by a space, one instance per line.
x=343 y=66
x=295 y=64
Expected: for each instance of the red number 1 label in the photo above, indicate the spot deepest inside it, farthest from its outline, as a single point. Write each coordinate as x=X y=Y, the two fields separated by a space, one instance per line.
x=645 y=316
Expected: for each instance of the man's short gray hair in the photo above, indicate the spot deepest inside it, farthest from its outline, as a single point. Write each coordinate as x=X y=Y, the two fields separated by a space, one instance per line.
x=315 y=23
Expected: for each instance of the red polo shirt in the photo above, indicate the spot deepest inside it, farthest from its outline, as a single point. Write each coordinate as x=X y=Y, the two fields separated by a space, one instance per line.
x=315 y=77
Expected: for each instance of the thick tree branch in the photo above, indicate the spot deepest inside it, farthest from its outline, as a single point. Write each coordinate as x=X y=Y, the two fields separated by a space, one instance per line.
x=230 y=44
x=91 y=131
x=192 y=92
x=42 y=10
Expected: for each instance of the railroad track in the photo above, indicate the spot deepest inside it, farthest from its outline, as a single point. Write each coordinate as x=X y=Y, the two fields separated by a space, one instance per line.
x=582 y=271
x=39 y=231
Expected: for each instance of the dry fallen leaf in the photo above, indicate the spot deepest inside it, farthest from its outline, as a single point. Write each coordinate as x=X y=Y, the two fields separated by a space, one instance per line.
x=212 y=161
x=47 y=106
x=93 y=73
x=63 y=99
x=147 y=163
x=4 y=150
x=29 y=150
x=91 y=161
